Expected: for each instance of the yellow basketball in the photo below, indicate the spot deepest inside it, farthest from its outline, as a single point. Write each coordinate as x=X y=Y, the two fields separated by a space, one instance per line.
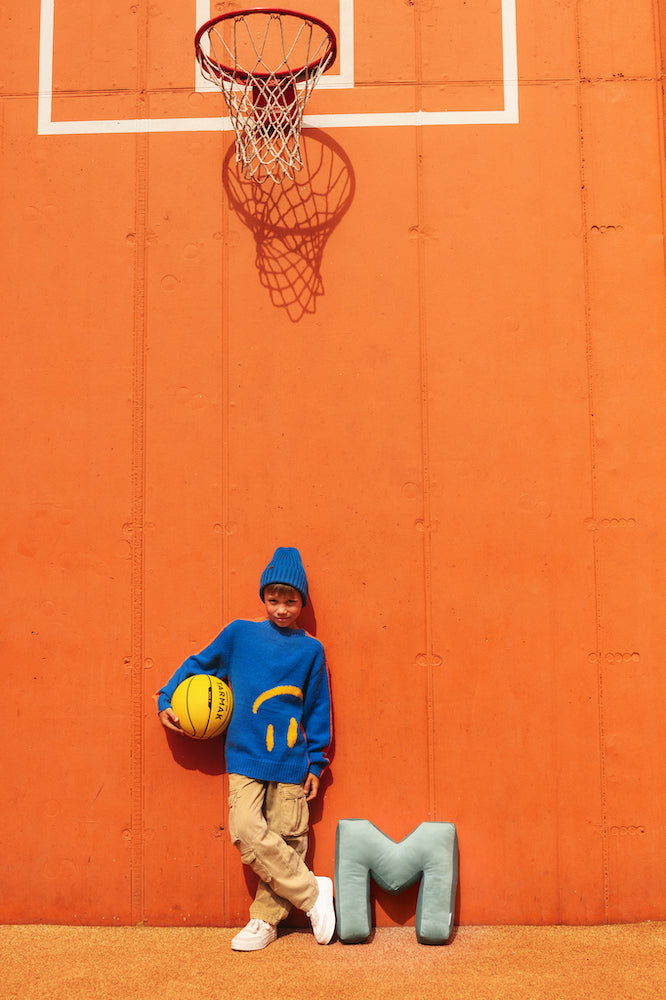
x=203 y=704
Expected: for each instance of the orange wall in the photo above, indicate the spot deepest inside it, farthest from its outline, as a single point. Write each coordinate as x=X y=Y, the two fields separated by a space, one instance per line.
x=464 y=438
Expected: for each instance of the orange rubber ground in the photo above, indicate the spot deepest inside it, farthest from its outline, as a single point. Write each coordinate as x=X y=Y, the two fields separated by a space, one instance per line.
x=506 y=963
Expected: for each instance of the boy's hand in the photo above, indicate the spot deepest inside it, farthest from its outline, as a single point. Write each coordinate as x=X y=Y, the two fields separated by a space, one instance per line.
x=311 y=787
x=169 y=720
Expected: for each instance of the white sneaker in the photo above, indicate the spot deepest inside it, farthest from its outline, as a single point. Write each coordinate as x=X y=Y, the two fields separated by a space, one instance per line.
x=256 y=935
x=322 y=914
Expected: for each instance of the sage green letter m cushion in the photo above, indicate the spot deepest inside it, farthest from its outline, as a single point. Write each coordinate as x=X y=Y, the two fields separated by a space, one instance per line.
x=430 y=853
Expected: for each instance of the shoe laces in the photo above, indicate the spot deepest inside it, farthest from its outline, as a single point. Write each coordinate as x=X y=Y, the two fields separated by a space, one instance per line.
x=256 y=924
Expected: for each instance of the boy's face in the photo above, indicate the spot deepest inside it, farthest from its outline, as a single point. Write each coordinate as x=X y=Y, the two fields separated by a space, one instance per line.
x=283 y=609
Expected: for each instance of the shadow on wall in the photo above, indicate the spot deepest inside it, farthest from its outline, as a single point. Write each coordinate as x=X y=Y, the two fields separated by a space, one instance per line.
x=292 y=221
x=206 y=756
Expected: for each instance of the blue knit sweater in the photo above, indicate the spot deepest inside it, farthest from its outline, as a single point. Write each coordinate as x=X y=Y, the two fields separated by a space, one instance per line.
x=280 y=728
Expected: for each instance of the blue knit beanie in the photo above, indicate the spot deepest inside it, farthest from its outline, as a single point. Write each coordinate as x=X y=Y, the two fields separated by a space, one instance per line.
x=285 y=567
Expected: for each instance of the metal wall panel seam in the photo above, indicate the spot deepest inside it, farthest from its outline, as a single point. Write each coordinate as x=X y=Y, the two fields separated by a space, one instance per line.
x=425 y=431
x=137 y=873
x=224 y=488
x=660 y=80
x=580 y=87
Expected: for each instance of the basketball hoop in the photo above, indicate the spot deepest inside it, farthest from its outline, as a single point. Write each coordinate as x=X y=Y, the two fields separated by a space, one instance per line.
x=266 y=62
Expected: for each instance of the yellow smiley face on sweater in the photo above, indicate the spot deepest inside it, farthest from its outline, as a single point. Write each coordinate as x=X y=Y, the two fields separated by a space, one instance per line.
x=292 y=731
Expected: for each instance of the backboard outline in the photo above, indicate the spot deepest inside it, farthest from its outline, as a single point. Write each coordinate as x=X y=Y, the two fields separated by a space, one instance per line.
x=509 y=115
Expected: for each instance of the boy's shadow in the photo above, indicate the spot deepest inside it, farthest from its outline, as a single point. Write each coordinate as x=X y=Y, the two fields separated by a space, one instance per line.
x=308 y=619
x=206 y=756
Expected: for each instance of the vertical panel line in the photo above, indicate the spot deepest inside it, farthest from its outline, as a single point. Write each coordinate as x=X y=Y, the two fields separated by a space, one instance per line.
x=660 y=80
x=589 y=353
x=225 y=404
x=137 y=877
x=425 y=431
x=138 y=517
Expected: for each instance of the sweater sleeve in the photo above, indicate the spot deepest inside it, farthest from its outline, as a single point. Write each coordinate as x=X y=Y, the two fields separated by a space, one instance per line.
x=209 y=661
x=317 y=715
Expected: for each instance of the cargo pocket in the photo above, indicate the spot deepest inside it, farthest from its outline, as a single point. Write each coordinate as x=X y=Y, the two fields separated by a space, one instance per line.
x=294 y=812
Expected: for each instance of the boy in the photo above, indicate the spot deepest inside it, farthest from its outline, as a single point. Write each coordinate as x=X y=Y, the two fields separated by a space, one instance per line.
x=276 y=746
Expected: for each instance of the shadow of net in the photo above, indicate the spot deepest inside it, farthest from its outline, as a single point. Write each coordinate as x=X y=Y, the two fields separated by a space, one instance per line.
x=292 y=221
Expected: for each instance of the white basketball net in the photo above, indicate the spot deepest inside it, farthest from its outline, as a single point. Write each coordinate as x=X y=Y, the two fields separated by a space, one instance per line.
x=266 y=63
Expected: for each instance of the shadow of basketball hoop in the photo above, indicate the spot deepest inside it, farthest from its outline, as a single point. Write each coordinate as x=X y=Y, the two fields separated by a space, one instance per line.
x=291 y=221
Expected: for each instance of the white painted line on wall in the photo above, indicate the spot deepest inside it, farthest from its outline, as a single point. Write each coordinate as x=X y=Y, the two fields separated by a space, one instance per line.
x=508 y=116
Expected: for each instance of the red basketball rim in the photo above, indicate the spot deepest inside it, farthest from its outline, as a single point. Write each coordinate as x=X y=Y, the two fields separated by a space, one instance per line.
x=242 y=76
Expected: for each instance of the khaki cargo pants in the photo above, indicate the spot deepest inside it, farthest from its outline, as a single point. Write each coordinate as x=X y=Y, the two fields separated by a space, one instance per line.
x=268 y=823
